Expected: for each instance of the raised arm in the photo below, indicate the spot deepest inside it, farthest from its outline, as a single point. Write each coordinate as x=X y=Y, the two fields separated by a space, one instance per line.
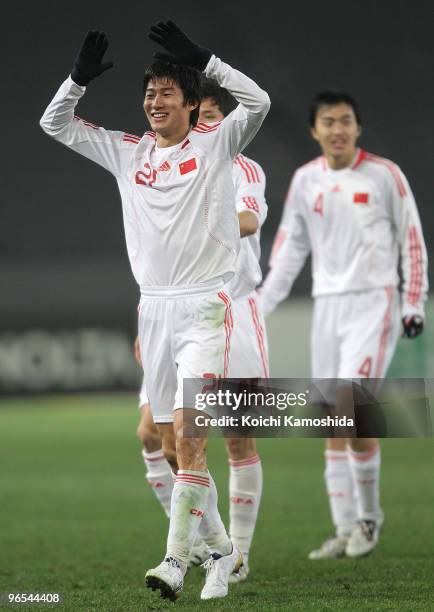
x=240 y=126
x=59 y=121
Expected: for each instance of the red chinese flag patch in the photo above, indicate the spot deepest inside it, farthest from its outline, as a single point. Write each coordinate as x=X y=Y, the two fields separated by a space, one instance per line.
x=188 y=166
x=361 y=198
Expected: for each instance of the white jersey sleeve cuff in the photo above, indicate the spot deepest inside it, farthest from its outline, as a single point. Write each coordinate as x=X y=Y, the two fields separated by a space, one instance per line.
x=73 y=85
x=210 y=66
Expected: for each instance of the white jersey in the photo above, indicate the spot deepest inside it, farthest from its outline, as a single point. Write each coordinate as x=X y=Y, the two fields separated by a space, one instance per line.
x=249 y=182
x=178 y=203
x=357 y=222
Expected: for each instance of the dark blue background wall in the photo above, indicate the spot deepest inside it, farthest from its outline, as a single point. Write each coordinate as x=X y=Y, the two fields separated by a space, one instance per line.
x=62 y=253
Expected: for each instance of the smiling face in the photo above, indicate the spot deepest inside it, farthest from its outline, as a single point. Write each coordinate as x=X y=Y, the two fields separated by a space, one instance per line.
x=336 y=130
x=166 y=110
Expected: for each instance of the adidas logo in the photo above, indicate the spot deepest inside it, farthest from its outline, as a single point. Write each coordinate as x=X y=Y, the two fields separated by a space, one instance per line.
x=164 y=167
x=335 y=189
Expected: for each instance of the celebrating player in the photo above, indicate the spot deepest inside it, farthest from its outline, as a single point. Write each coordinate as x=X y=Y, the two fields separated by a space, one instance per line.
x=182 y=236
x=356 y=213
x=249 y=350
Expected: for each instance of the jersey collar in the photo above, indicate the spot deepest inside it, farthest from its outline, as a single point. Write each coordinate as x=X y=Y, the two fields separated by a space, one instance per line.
x=357 y=160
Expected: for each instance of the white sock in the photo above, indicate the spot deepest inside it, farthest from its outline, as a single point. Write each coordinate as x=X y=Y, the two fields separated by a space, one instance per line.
x=159 y=477
x=339 y=485
x=365 y=470
x=245 y=490
x=211 y=528
x=189 y=501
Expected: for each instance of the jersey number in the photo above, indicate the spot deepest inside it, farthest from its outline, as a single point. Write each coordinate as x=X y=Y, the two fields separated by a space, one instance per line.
x=319 y=205
x=214 y=381
x=366 y=367
x=146 y=177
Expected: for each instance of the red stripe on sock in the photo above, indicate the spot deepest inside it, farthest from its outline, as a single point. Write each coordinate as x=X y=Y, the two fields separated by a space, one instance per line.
x=364 y=455
x=159 y=458
x=195 y=482
x=188 y=478
x=329 y=456
x=243 y=462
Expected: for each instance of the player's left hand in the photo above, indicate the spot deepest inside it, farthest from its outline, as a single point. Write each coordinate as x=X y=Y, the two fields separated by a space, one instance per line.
x=413 y=326
x=181 y=49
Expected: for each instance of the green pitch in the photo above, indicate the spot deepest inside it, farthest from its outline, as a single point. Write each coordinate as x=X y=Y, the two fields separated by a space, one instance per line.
x=77 y=517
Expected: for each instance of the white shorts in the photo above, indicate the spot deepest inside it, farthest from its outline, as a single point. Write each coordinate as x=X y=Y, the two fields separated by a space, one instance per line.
x=354 y=335
x=182 y=336
x=248 y=346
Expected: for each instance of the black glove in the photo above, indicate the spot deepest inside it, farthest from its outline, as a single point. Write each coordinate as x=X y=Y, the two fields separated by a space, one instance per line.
x=181 y=49
x=413 y=326
x=87 y=65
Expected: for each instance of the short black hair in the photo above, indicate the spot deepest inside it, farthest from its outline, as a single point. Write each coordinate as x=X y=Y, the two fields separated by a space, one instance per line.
x=331 y=98
x=224 y=100
x=187 y=79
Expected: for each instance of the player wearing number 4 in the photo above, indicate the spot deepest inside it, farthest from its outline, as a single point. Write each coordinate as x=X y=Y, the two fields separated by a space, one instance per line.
x=182 y=237
x=249 y=351
x=356 y=213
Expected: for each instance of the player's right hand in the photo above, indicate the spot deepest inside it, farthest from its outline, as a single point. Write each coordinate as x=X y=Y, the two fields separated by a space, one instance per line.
x=88 y=63
x=137 y=353
x=413 y=326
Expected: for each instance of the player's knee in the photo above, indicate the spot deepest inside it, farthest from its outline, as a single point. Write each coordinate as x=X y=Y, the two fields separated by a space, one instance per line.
x=190 y=444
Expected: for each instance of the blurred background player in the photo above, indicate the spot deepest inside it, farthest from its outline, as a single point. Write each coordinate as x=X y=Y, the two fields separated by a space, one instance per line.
x=248 y=355
x=356 y=213
x=180 y=258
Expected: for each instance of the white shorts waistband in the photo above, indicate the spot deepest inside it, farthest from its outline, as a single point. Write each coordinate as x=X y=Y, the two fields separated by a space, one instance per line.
x=159 y=291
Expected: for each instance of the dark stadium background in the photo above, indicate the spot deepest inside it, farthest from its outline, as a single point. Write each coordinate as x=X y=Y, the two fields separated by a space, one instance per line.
x=63 y=262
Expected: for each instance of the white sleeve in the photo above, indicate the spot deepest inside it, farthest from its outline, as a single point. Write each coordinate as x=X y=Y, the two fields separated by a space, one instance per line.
x=290 y=249
x=106 y=148
x=414 y=261
x=240 y=126
x=250 y=189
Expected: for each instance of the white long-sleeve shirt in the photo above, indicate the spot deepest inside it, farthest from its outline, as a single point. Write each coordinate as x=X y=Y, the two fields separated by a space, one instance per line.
x=357 y=222
x=178 y=202
x=249 y=181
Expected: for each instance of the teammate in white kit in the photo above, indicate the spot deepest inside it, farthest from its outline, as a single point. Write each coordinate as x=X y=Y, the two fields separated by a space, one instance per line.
x=355 y=212
x=249 y=350
x=182 y=238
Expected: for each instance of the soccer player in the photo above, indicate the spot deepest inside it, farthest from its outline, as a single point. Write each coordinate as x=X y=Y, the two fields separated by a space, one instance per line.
x=249 y=350
x=356 y=213
x=182 y=237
